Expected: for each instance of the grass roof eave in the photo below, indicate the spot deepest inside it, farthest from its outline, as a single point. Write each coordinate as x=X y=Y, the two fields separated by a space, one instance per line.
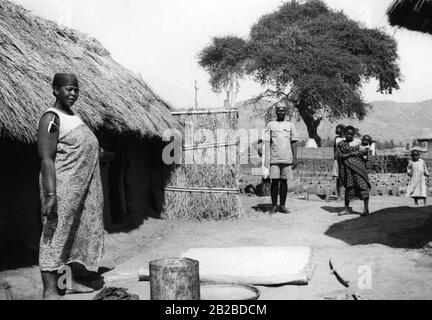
x=32 y=50
x=415 y=15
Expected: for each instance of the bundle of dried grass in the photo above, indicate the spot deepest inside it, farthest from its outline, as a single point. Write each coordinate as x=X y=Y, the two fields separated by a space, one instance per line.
x=201 y=206
x=32 y=50
x=206 y=185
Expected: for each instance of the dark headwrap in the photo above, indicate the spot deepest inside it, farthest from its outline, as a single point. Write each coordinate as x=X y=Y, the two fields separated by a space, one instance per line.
x=65 y=79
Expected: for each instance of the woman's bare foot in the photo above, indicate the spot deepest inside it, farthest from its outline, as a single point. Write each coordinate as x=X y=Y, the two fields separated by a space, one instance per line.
x=346 y=212
x=365 y=213
x=52 y=296
x=77 y=288
x=50 y=286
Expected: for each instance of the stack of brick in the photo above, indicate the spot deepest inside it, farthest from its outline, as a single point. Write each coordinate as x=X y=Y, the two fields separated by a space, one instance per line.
x=314 y=173
x=316 y=165
x=387 y=164
x=392 y=184
x=322 y=183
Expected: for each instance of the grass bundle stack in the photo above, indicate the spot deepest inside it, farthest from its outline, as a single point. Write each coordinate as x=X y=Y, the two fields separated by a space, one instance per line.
x=206 y=185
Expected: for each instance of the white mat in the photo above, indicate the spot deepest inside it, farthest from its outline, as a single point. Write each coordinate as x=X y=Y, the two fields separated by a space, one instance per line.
x=254 y=265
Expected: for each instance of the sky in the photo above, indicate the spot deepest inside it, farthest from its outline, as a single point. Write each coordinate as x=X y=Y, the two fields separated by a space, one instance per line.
x=161 y=39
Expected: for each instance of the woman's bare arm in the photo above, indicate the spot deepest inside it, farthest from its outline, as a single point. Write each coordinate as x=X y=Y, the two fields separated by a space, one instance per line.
x=48 y=133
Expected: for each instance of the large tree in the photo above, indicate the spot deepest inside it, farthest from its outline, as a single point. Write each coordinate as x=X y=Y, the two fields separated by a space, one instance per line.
x=314 y=59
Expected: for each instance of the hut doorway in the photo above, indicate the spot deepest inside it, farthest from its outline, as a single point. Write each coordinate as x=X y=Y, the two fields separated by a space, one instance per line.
x=130 y=180
x=20 y=223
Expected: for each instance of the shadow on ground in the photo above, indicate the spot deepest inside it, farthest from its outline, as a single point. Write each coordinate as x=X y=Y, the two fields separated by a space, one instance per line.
x=263 y=208
x=399 y=227
x=333 y=209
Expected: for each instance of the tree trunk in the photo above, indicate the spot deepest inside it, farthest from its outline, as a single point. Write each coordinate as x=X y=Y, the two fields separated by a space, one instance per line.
x=311 y=123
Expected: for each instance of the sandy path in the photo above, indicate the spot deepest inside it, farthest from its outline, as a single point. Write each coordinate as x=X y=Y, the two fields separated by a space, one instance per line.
x=387 y=243
x=384 y=243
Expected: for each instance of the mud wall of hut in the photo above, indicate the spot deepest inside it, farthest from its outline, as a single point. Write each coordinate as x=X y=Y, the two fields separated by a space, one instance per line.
x=20 y=222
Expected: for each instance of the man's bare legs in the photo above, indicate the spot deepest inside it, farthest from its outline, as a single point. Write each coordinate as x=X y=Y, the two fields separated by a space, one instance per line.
x=283 y=195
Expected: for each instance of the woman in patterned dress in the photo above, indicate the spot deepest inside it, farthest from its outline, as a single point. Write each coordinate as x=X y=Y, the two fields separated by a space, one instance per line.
x=353 y=172
x=71 y=193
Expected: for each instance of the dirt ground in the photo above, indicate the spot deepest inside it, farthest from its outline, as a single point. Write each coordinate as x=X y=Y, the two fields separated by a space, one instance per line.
x=388 y=243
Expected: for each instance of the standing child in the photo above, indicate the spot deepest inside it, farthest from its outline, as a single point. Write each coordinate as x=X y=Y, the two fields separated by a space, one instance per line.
x=418 y=172
x=339 y=138
x=366 y=146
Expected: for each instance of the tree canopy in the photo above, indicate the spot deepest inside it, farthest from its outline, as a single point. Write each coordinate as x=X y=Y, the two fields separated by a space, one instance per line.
x=314 y=59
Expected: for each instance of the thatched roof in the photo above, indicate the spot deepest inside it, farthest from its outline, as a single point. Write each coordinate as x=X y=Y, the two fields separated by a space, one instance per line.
x=32 y=50
x=414 y=15
x=423 y=134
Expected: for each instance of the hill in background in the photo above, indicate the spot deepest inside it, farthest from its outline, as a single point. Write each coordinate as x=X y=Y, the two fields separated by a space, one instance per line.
x=402 y=122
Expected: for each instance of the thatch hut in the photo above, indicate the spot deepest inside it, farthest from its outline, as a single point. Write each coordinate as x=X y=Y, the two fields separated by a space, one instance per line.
x=414 y=15
x=127 y=116
x=424 y=137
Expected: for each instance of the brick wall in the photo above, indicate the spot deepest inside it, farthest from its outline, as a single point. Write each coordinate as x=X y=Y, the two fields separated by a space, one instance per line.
x=387 y=164
x=323 y=183
x=322 y=160
x=309 y=161
x=315 y=165
x=318 y=153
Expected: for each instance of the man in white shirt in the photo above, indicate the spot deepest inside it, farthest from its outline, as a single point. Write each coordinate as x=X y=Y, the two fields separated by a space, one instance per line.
x=281 y=156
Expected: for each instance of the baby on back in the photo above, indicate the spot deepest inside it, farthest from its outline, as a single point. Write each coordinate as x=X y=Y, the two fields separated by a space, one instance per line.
x=365 y=145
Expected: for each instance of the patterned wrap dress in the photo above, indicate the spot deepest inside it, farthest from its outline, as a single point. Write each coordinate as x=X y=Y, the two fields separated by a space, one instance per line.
x=352 y=173
x=74 y=231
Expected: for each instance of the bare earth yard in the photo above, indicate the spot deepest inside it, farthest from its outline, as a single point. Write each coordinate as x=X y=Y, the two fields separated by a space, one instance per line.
x=389 y=242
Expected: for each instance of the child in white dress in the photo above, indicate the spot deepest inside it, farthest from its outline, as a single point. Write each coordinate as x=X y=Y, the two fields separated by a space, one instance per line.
x=418 y=172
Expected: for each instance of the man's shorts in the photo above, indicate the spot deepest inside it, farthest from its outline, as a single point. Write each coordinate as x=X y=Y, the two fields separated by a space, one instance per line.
x=281 y=171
